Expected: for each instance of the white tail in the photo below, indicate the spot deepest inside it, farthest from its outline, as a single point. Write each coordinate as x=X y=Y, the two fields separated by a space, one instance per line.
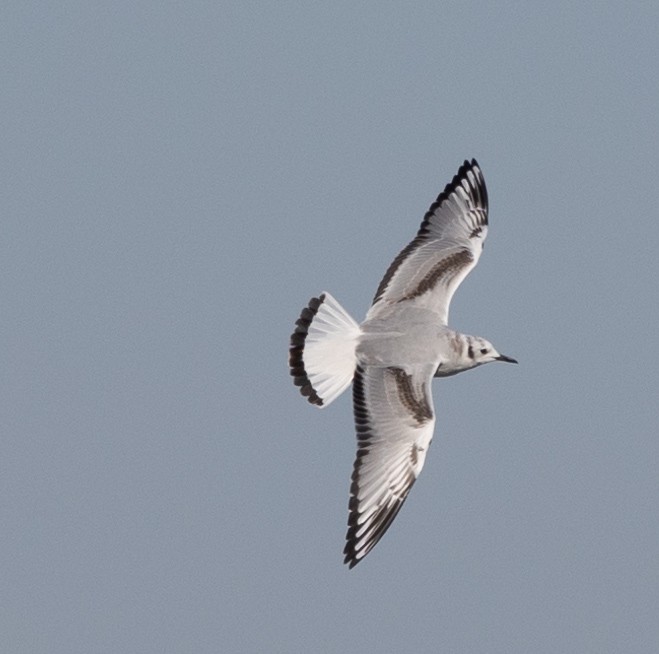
x=322 y=355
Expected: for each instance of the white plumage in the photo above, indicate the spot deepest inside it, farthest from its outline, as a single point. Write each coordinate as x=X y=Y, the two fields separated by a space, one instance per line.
x=393 y=355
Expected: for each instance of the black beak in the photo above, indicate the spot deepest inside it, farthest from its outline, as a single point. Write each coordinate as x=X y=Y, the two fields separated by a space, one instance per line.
x=503 y=357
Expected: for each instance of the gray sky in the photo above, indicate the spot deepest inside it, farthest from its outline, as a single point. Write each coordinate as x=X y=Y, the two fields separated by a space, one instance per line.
x=178 y=180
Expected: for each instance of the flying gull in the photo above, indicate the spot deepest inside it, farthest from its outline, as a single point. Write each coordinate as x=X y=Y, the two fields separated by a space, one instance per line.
x=392 y=357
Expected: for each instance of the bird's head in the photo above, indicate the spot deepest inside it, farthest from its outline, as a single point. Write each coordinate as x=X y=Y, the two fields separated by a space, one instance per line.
x=481 y=351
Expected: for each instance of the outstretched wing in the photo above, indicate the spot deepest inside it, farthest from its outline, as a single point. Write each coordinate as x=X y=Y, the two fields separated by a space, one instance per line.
x=395 y=421
x=447 y=246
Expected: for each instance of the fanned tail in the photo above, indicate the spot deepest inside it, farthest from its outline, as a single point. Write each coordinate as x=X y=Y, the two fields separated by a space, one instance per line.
x=322 y=355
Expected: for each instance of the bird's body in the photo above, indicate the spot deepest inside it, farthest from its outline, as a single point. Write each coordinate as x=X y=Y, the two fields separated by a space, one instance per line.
x=413 y=336
x=392 y=357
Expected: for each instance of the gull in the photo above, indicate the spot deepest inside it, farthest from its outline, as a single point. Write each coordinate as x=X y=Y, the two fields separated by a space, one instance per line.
x=392 y=357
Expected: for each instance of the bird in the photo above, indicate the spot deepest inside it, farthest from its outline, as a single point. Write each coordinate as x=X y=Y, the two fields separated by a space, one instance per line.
x=392 y=357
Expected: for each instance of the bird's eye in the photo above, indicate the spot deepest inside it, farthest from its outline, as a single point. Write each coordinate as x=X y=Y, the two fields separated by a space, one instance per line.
x=484 y=351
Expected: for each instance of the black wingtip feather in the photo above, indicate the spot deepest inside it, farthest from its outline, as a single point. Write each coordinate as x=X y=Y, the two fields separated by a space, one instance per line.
x=480 y=190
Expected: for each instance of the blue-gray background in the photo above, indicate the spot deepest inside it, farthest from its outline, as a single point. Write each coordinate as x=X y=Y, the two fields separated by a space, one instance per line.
x=178 y=179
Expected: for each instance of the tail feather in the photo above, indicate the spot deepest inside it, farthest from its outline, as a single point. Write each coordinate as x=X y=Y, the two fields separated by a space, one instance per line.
x=322 y=354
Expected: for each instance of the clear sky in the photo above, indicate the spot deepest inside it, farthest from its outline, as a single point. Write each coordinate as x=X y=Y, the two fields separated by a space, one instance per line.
x=178 y=179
